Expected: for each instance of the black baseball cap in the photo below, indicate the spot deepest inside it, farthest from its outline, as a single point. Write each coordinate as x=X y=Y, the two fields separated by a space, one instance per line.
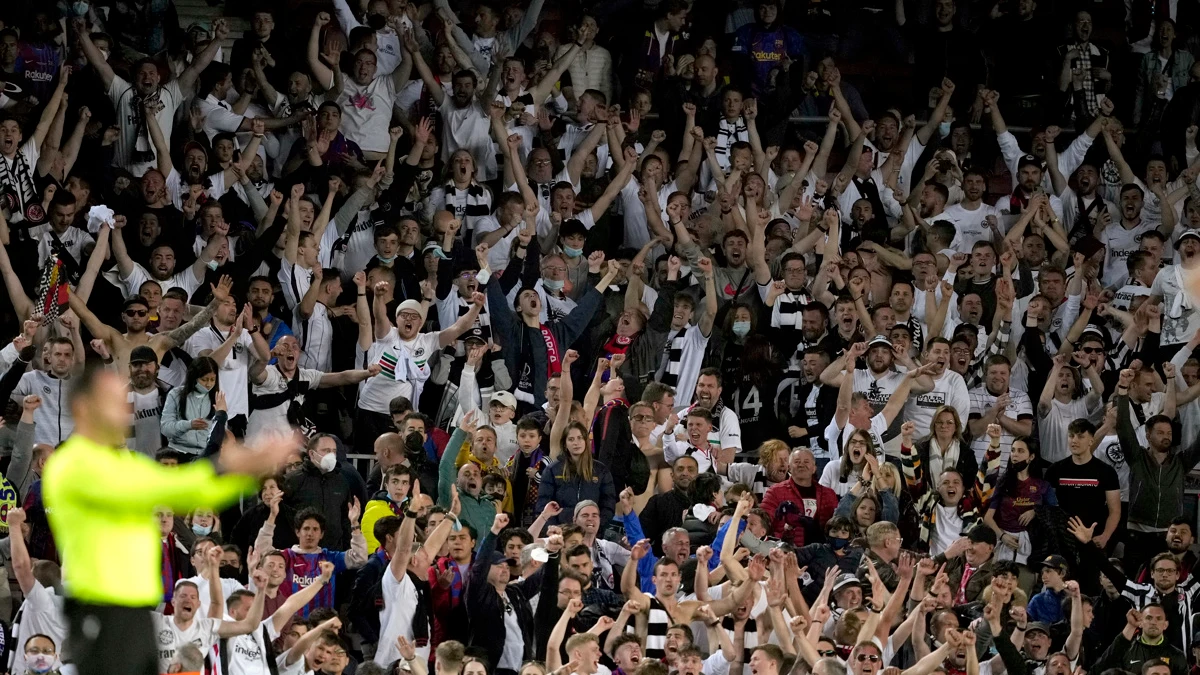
x=142 y=354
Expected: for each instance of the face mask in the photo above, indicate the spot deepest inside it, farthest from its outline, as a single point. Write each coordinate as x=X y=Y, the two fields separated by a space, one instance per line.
x=202 y=389
x=839 y=543
x=201 y=530
x=105 y=53
x=385 y=261
x=39 y=663
x=1020 y=466
x=376 y=21
x=741 y=328
x=328 y=462
x=572 y=252
x=944 y=129
x=554 y=285
x=79 y=8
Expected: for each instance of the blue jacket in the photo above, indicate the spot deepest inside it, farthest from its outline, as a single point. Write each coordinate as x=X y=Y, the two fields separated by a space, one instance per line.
x=1046 y=606
x=553 y=487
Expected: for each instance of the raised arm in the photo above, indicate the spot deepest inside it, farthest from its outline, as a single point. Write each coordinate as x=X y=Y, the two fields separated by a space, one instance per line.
x=94 y=56
x=565 y=395
x=413 y=50
x=187 y=79
x=21 y=562
x=324 y=74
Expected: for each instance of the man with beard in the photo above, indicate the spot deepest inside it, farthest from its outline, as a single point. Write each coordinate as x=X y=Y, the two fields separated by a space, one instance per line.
x=1179 y=540
x=1148 y=650
x=162 y=264
x=1124 y=236
x=890 y=132
x=972 y=217
x=995 y=402
x=879 y=382
x=279 y=388
x=726 y=432
x=146 y=395
x=861 y=170
x=136 y=315
x=949 y=389
x=900 y=299
x=1083 y=206
x=134 y=148
x=466 y=124
x=365 y=95
x=674 y=544
x=658 y=611
x=1156 y=471
x=1029 y=176
x=1179 y=319
x=856 y=411
x=812 y=404
x=799 y=507
x=184 y=627
x=665 y=510
x=477 y=507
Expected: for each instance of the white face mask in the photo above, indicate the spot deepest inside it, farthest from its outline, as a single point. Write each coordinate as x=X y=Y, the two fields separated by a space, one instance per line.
x=39 y=663
x=328 y=462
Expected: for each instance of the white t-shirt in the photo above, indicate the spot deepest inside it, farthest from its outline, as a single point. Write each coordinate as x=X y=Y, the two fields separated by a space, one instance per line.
x=367 y=112
x=185 y=279
x=146 y=422
x=316 y=337
x=73 y=239
x=121 y=94
x=202 y=633
x=276 y=418
x=42 y=615
x=403 y=373
x=949 y=389
x=1052 y=428
x=228 y=586
x=1179 y=318
x=949 y=529
x=395 y=619
x=1120 y=242
x=294 y=281
x=234 y=375
x=247 y=653
x=968 y=225
x=470 y=129
x=218 y=116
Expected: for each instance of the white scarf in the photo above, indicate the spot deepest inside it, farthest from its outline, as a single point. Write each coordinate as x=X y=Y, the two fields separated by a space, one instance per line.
x=1181 y=301
x=939 y=459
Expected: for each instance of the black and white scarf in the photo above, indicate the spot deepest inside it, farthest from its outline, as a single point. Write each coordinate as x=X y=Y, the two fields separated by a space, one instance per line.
x=749 y=635
x=729 y=133
x=468 y=205
x=142 y=150
x=672 y=359
x=18 y=175
x=791 y=307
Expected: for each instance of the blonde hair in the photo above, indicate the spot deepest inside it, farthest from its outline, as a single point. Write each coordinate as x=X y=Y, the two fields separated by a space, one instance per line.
x=768 y=451
x=891 y=470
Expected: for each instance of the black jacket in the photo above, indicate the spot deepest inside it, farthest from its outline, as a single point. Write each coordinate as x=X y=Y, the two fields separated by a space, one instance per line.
x=328 y=493
x=662 y=512
x=486 y=608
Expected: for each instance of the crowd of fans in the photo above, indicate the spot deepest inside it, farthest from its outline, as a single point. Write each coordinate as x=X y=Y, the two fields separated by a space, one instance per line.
x=673 y=336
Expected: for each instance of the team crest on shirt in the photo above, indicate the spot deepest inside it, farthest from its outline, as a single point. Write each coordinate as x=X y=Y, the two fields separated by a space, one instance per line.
x=166 y=637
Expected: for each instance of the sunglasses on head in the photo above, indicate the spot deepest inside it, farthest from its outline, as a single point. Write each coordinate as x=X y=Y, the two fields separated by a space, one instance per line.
x=136 y=312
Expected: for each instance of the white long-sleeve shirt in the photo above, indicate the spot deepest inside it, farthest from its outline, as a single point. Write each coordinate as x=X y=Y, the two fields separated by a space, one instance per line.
x=388 y=54
x=1068 y=160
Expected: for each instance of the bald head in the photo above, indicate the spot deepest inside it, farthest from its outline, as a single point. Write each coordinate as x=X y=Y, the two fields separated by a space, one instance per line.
x=706 y=70
x=389 y=450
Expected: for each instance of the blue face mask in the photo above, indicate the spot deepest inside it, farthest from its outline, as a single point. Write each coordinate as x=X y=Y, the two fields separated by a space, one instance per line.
x=201 y=530
x=572 y=252
x=741 y=328
x=202 y=389
x=944 y=129
x=839 y=543
x=385 y=261
x=553 y=284
x=79 y=8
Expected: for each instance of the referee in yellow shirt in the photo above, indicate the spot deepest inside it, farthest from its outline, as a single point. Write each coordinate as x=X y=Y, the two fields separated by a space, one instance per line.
x=100 y=500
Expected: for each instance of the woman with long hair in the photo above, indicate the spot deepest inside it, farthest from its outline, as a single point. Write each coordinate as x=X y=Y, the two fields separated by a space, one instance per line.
x=1015 y=501
x=850 y=466
x=863 y=504
x=573 y=476
x=944 y=448
x=888 y=479
x=189 y=409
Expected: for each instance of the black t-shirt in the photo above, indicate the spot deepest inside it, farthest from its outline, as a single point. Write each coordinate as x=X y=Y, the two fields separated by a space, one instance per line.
x=1080 y=489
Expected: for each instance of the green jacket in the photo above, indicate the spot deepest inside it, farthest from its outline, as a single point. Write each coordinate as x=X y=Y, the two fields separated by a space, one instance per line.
x=477 y=512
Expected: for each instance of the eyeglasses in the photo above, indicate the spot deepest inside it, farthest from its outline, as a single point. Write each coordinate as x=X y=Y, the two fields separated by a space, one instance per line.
x=1092 y=350
x=642 y=418
x=1164 y=570
x=868 y=657
x=34 y=651
x=554 y=268
x=136 y=312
